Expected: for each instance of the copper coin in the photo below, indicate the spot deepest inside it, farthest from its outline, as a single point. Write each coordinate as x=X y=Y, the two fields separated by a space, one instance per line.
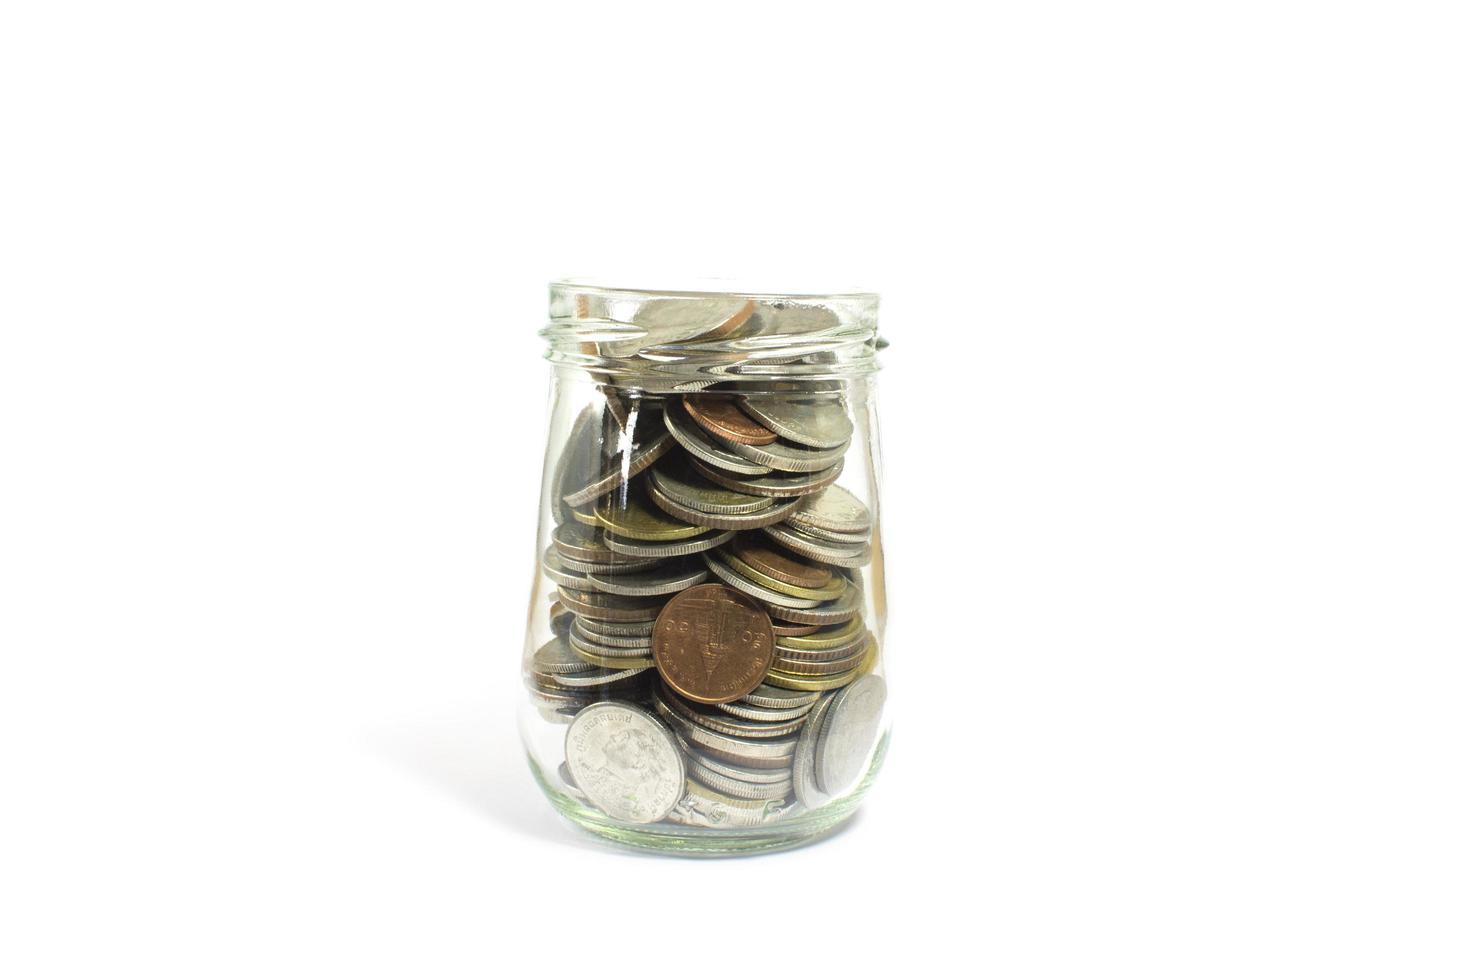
x=779 y=565
x=711 y=644
x=722 y=417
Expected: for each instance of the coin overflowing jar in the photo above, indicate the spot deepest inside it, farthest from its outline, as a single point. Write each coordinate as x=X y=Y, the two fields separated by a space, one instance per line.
x=704 y=658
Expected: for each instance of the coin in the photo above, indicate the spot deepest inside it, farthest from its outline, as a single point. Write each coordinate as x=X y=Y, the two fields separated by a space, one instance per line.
x=701 y=445
x=746 y=774
x=737 y=788
x=616 y=608
x=712 y=644
x=826 y=637
x=843 y=556
x=833 y=509
x=804 y=761
x=770 y=597
x=742 y=710
x=792 y=629
x=593 y=632
x=831 y=590
x=789 y=458
x=714 y=720
x=704 y=807
x=821 y=424
x=598 y=677
x=849 y=732
x=778 y=564
x=836 y=611
x=623 y=469
x=666 y=579
x=625 y=762
x=556 y=657
x=720 y=416
x=640 y=629
x=630 y=515
x=668 y=549
x=774 y=697
x=770 y=484
x=774 y=511
x=580 y=543
x=677 y=479
x=802 y=682
x=756 y=752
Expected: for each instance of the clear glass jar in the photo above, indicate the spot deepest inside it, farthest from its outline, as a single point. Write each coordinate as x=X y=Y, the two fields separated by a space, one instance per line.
x=704 y=651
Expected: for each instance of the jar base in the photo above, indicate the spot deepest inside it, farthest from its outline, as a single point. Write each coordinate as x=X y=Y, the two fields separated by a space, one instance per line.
x=791 y=832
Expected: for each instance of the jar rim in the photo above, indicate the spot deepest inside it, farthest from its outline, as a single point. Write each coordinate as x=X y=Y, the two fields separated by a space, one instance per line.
x=709 y=286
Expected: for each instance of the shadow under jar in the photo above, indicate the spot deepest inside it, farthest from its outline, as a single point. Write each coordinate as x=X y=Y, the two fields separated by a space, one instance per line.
x=704 y=651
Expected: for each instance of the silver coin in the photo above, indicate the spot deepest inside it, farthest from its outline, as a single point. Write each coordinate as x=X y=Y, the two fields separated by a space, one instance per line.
x=735 y=580
x=804 y=764
x=776 y=510
x=839 y=610
x=589 y=631
x=832 y=537
x=568 y=783
x=617 y=568
x=582 y=645
x=750 y=711
x=787 y=458
x=624 y=468
x=819 y=423
x=702 y=807
x=739 y=789
x=843 y=556
x=767 y=696
x=849 y=731
x=835 y=509
x=768 y=750
x=717 y=721
x=557 y=657
x=677 y=479
x=625 y=762
x=555 y=568
x=745 y=774
x=843 y=652
x=772 y=485
x=598 y=677
x=608 y=627
x=701 y=444
x=668 y=549
x=662 y=581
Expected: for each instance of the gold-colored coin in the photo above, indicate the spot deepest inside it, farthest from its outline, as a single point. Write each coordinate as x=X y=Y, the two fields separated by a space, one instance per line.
x=631 y=515
x=778 y=564
x=831 y=590
x=795 y=682
x=827 y=638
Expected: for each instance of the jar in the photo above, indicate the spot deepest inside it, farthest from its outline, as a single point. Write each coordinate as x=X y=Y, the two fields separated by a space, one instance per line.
x=704 y=663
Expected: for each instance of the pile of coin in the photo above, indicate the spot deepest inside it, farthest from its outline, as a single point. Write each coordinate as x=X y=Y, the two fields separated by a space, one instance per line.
x=708 y=606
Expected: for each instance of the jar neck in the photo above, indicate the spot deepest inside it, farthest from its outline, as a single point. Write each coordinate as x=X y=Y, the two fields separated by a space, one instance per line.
x=664 y=340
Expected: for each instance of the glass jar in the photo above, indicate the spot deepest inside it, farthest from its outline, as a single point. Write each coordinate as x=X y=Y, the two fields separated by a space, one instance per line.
x=704 y=651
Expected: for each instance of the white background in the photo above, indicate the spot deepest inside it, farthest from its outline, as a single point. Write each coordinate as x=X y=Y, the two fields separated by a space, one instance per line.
x=1175 y=417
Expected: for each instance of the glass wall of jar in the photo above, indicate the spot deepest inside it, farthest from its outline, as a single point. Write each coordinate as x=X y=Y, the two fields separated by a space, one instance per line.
x=704 y=661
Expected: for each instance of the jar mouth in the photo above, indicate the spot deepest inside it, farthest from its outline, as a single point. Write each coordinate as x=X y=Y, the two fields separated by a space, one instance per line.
x=692 y=334
x=712 y=286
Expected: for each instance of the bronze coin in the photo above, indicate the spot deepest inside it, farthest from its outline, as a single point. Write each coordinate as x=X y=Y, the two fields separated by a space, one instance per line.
x=712 y=644
x=614 y=608
x=779 y=565
x=720 y=416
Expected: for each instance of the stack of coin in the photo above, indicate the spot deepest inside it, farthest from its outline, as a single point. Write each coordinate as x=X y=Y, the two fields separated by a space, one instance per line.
x=708 y=577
